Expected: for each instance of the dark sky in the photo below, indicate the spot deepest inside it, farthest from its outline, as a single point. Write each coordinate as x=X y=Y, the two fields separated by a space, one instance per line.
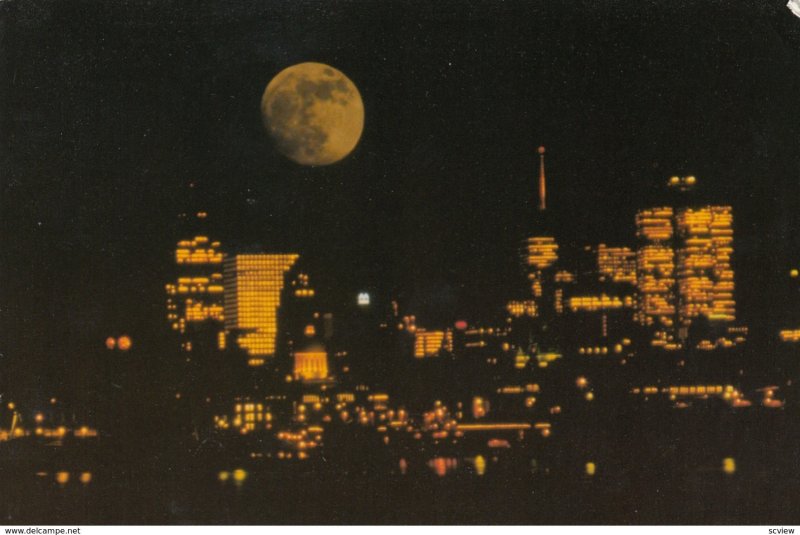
x=109 y=109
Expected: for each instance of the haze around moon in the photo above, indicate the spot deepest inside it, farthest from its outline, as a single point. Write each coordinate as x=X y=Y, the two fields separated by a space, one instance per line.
x=314 y=113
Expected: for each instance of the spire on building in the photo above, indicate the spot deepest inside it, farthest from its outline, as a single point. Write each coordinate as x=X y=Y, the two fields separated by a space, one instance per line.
x=542 y=182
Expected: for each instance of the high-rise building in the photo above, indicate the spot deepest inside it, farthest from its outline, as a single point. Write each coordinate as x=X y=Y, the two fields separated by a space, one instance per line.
x=684 y=272
x=254 y=285
x=655 y=273
x=195 y=299
x=532 y=317
x=704 y=272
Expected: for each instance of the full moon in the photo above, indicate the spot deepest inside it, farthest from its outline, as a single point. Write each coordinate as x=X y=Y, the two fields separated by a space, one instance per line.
x=314 y=113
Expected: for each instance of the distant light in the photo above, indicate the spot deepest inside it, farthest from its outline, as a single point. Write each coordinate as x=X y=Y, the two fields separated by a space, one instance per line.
x=461 y=325
x=62 y=478
x=794 y=273
x=239 y=475
x=223 y=476
x=111 y=343
x=480 y=465
x=363 y=299
x=124 y=342
x=86 y=478
x=591 y=468
x=729 y=465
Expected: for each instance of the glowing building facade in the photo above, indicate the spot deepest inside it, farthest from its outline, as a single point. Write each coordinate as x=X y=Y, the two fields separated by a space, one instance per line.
x=539 y=257
x=704 y=272
x=616 y=264
x=684 y=272
x=254 y=285
x=195 y=299
x=432 y=343
x=311 y=363
x=655 y=274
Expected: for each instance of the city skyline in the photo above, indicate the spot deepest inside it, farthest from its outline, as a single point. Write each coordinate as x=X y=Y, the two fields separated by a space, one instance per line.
x=392 y=184
x=541 y=257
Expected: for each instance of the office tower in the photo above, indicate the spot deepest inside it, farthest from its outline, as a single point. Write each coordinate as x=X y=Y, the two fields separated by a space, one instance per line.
x=684 y=272
x=532 y=317
x=655 y=273
x=195 y=300
x=254 y=285
x=540 y=251
x=704 y=272
x=539 y=255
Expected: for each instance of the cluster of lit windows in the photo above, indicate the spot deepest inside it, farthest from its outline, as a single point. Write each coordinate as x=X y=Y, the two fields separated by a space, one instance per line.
x=656 y=280
x=199 y=311
x=200 y=250
x=409 y=324
x=617 y=263
x=790 y=335
x=517 y=309
x=596 y=302
x=311 y=365
x=654 y=224
x=541 y=252
x=704 y=273
x=564 y=276
x=664 y=338
x=302 y=287
x=249 y=416
x=430 y=343
x=599 y=350
x=196 y=298
x=686 y=390
x=253 y=286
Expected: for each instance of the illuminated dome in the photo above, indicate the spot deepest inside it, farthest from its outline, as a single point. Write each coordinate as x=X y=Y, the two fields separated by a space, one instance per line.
x=311 y=361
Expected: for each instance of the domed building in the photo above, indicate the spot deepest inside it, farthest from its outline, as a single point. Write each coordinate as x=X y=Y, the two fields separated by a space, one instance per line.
x=311 y=359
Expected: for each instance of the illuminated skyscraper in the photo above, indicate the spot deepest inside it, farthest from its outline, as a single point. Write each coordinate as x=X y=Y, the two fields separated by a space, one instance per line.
x=539 y=256
x=195 y=300
x=540 y=251
x=704 y=272
x=254 y=285
x=684 y=269
x=655 y=271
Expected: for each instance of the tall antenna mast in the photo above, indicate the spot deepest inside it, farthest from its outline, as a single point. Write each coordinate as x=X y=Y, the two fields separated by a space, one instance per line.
x=542 y=182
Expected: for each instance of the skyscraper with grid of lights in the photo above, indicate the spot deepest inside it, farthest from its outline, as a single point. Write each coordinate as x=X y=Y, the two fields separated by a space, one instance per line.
x=254 y=288
x=684 y=271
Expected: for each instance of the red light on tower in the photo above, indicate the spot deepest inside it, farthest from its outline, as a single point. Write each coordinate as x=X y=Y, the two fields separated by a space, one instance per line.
x=461 y=325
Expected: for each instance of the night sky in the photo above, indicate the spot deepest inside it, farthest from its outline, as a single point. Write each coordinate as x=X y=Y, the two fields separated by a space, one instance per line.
x=110 y=109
